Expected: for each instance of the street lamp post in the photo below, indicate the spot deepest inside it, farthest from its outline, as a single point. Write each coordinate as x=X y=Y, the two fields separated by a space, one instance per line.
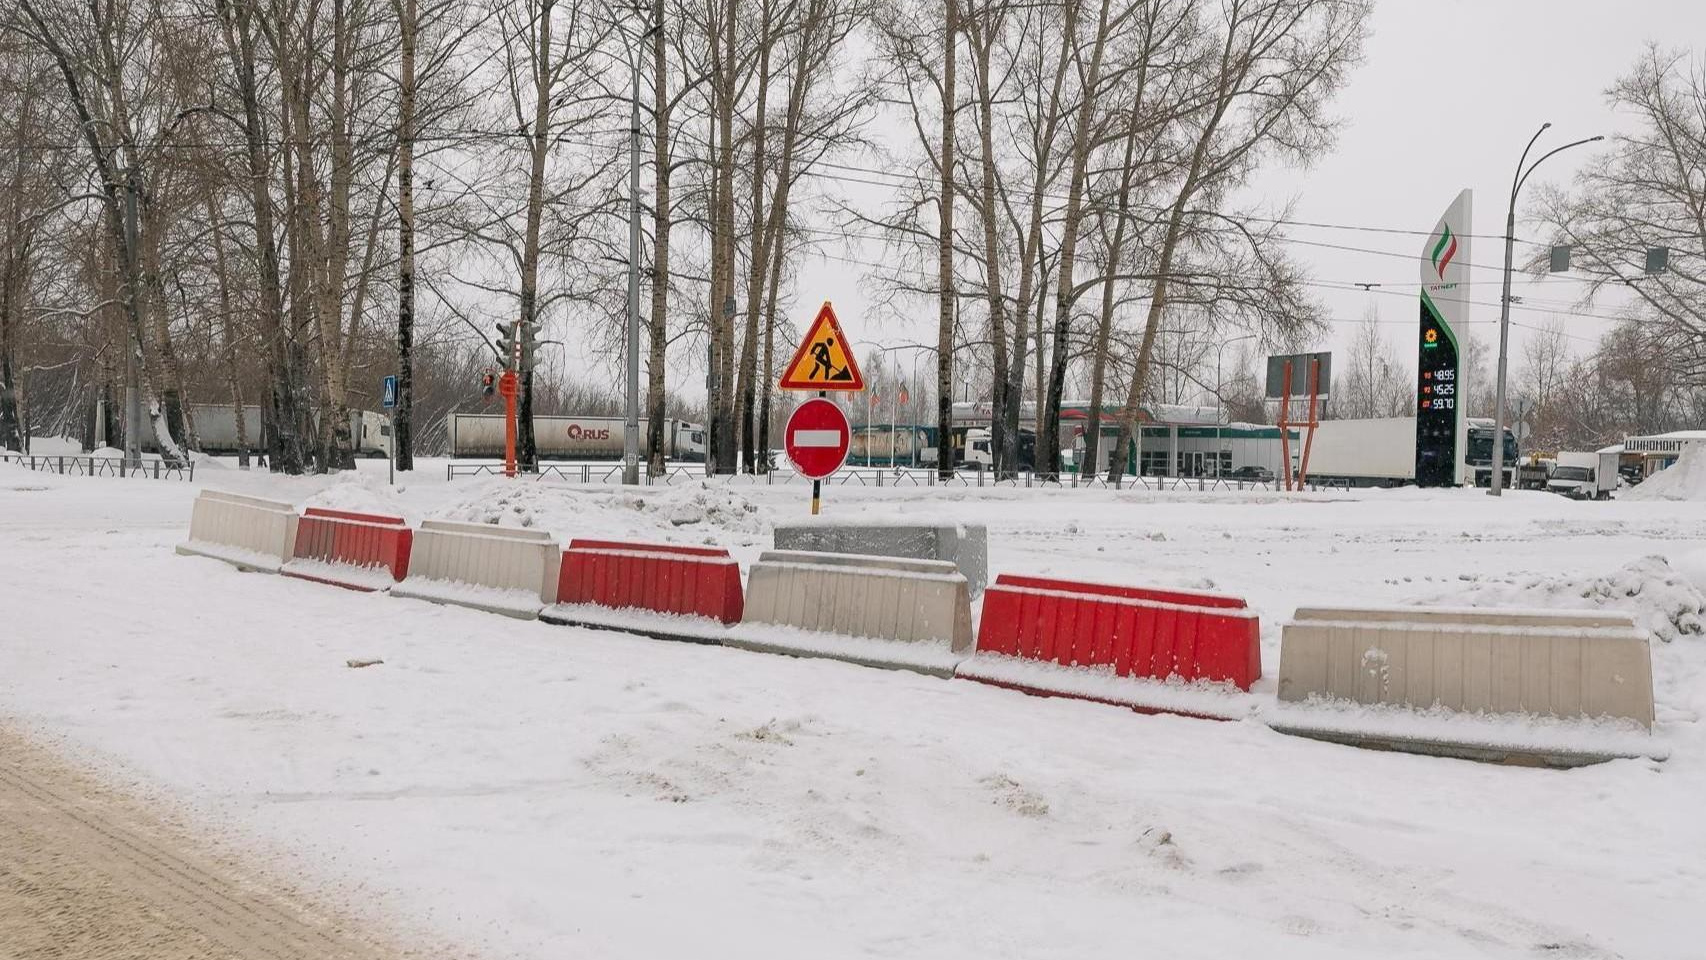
x=1496 y=482
x=631 y=440
x=1217 y=355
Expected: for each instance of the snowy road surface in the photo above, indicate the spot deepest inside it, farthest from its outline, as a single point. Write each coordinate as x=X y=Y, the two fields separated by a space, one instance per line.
x=534 y=791
x=87 y=873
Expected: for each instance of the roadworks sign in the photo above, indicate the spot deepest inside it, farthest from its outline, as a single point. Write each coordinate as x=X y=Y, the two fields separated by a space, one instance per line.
x=824 y=359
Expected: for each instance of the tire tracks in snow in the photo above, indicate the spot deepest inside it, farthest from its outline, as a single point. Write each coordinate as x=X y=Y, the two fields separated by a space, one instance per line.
x=86 y=872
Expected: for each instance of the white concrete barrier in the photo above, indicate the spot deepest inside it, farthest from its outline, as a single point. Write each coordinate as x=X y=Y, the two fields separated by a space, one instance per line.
x=247 y=532
x=1532 y=665
x=507 y=570
x=878 y=611
x=965 y=544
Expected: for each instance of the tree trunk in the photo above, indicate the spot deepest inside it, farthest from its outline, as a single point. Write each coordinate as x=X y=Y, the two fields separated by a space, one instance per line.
x=527 y=448
x=334 y=272
x=402 y=416
x=659 y=325
x=1065 y=288
x=227 y=330
x=981 y=33
x=757 y=258
x=288 y=455
x=724 y=252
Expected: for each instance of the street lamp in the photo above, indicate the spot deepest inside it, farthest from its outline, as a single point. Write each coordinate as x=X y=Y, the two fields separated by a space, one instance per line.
x=1496 y=483
x=1217 y=354
x=631 y=405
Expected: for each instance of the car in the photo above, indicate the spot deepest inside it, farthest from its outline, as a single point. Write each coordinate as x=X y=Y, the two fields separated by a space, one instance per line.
x=1252 y=473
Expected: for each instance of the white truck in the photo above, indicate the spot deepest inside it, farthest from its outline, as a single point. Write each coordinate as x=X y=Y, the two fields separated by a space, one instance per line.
x=570 y=438
x=1382 y=453
x=1585 y=476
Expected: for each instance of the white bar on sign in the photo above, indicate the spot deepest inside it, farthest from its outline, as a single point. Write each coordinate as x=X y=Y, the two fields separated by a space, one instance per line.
x=817 y=438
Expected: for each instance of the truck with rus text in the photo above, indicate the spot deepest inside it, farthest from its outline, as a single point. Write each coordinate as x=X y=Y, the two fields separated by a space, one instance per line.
x=1382 y=453
x=481 y=435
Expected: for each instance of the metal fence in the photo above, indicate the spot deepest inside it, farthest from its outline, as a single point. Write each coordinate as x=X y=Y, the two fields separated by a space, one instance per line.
x=73 y=465
x=611 y=473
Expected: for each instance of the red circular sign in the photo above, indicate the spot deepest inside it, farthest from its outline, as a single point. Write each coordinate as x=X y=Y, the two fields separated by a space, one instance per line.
x=817 y=438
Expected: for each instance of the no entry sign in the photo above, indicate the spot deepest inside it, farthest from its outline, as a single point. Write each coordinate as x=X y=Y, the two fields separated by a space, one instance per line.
x=817 y=438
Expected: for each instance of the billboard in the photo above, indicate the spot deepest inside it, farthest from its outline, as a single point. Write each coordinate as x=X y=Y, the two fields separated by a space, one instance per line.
x=1300 y=370
x=1441 y=437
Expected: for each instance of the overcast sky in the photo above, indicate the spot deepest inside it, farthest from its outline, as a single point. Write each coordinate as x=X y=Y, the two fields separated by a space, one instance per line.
x=1448 y=94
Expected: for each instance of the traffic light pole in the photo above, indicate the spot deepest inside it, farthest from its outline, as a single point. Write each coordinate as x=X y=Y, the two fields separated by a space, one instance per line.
x=508 y=386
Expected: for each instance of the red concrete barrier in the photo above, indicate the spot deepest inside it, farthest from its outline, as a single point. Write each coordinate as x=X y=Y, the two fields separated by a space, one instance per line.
x=661 y=578
x=1035 y=629
x=361 y=551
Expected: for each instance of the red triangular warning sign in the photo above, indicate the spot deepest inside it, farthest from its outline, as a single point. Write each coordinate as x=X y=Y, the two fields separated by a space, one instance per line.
x=824 y=360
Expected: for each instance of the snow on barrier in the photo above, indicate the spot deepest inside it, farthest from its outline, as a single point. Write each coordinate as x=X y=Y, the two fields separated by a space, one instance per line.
x=1558 y=688
x=361 y=551
x=663 y=590
x=966 y=545
x=505 y=570
x=877 y=611
x=247 y=532
x=1111 y=643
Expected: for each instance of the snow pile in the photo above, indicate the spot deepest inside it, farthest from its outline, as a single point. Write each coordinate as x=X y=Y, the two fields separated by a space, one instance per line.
x=1683 y=480
x=1664 y=601
x=702 y=503
x=359 y=493
x=575 y=511
x=513 y=503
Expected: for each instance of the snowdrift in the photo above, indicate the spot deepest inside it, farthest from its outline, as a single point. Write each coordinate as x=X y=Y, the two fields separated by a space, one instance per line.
x=1664 y=601
x=1683 y=480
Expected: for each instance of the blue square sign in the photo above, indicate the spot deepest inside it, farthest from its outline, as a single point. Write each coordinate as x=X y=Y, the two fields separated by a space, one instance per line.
x=388 y=396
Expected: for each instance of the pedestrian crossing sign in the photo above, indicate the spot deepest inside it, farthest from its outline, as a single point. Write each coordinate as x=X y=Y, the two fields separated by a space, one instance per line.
x=824 y=360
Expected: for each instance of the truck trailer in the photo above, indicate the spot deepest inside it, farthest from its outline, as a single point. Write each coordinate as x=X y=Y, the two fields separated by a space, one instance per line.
x=1382 y=453
x=570 y=438
x=216 y=431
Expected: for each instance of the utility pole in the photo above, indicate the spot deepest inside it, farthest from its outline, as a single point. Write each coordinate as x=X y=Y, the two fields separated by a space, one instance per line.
x=631 y=436
x=1496 y=482
x=132 y=370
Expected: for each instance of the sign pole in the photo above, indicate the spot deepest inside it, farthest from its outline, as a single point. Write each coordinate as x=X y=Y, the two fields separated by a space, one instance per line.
x=388 y=399
x=817 y=485
x=1284 y=426
x=818 y=436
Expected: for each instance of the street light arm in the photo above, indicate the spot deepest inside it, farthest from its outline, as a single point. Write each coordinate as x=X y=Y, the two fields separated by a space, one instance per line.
x=1545 y=156
x=1516 y=181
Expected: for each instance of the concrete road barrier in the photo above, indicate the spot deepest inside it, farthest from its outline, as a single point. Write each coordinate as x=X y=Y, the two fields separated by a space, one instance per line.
x=507 y=570
x=247 y=532
x=1112 y=643
x=965 y=545
x=360 y=551
x=669 y=591
x=878 y=611
x=1574 y=665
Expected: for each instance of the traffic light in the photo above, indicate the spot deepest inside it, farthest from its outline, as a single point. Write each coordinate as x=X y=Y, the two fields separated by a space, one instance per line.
x=506 y=344
x=529 y=342
x=488 y=385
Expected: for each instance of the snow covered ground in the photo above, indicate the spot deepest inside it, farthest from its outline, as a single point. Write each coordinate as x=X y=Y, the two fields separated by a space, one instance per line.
x=536 y=791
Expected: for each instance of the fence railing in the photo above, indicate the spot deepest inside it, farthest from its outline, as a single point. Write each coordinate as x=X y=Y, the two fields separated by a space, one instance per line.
x=611 y=473
x=73 y=465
